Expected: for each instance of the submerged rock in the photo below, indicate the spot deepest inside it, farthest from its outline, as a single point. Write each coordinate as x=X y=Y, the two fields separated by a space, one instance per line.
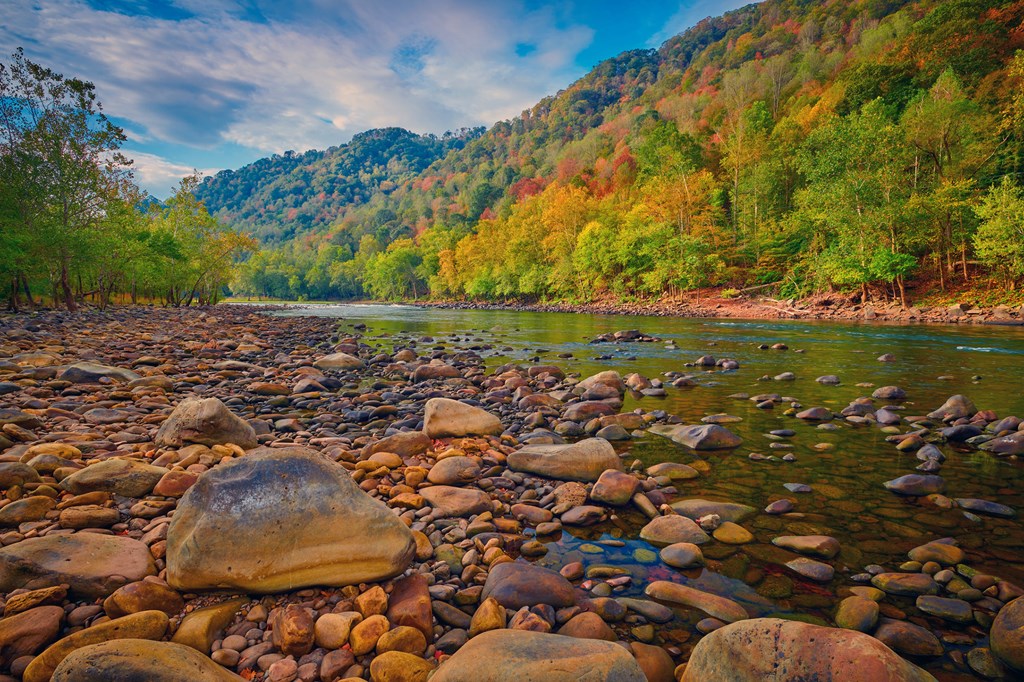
x=703 y=437
x=280 y=519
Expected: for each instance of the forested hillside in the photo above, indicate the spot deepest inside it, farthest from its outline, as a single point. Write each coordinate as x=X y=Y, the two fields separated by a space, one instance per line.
x=870 y=147
x=282 y=196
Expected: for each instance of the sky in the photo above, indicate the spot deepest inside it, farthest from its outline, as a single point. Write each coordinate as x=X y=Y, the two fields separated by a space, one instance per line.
x=214 y=84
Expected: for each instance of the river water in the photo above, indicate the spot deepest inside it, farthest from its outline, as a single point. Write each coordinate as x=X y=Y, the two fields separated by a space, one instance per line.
x=845 y=467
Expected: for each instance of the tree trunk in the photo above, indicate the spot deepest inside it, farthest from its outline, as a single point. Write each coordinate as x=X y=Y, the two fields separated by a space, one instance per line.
x=903 y=291
x=65 y=285
x=28 y=290
x=12 y=301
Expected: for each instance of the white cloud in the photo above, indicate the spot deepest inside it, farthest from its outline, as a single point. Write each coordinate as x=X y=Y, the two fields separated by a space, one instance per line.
x=311 y=74
x=159 y=175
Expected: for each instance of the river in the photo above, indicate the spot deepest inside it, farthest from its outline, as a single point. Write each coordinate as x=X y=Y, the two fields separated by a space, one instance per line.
x=845 y=467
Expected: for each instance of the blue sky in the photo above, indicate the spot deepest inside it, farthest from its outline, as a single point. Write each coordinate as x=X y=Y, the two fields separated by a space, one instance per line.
x=213 y=84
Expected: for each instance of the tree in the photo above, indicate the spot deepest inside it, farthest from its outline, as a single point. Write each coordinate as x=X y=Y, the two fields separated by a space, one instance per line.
x=999 y=241
x=60 y=162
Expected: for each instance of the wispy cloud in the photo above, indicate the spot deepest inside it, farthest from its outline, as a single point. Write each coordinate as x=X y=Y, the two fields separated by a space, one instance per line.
x=274 y=76
x=151 y=170
x=689 y=13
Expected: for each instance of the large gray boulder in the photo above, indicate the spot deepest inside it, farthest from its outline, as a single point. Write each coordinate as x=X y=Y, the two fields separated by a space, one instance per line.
x=205 y=422
x=582 y=461
x=279 y=519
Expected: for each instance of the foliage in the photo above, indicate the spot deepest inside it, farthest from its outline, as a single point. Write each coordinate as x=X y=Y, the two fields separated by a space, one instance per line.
x=72 y=221
x=816 y=146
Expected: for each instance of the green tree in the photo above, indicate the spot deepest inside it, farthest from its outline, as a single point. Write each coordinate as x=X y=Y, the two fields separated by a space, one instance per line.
x=999 y=241
x=59 y=160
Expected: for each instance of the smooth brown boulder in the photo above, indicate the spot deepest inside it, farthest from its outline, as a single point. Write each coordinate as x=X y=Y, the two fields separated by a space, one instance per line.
x=398 y=666
x=516 y=584
x=26 y=509
x=144 y=595
x=449 y=501
x=93 y=565
x=144 y=625
x=205 y=422
x=711 y=604
x=772 y=649
x=409 y=604
x=127 y=477
x=582 y=461
x=280 y=519
x=199 y=628
x=27 y=632
x=526 y=656
x=454 y=471
x=614 y=487
x=140 y=660
x=339 y=361
x=1007 y=634
x=404 y=444
x=446 y=418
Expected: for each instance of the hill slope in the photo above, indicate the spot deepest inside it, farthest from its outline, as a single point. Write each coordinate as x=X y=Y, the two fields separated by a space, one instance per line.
x=816 y=144
x=282 y=196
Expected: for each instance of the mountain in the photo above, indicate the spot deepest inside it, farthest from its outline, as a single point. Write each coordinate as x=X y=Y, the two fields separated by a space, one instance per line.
x=282 y=196
x=814 y=146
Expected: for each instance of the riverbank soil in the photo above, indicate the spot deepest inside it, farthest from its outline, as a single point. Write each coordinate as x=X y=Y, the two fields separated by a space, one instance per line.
x=945 y=309
x=222 y=494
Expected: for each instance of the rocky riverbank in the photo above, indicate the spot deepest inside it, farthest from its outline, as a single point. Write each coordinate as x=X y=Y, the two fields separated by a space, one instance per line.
x=222 y=495
x=833 y=308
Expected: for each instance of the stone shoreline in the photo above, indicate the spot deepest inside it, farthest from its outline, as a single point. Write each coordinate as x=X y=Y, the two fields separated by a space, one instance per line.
x=756 y=309
x=217 y=494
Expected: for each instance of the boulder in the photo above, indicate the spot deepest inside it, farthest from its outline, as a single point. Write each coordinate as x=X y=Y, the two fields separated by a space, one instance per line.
x=614 y=487
x=916 y=484
x=727 y=511
x=776 y=649
x=955 y=407
x=279 y=519
x=454 y=471
x=25 y=633
x=669 y=530
x=717 y=607
x=528 y=656
x=515 y=584
x=702 y=437
x=582 y=461
x=446 y=418
x=200 y=628
x=91 y=373
x=129 y=660
x=92 y=565
x=206 y=422
x=609 y=378
x=144 y=625
x=404 y=444
x=127 y=477
x=339 y=361
x=1007 y=634
x=1012 y=444
x=449 y=501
